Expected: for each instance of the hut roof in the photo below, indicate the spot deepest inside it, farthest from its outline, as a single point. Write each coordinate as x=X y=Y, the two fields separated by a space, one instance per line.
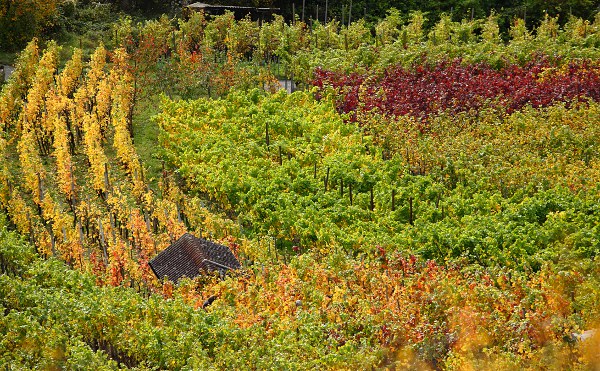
x=204 y=6
x=189 y=256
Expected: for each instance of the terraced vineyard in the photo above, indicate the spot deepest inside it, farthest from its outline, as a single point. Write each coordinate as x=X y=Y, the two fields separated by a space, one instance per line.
x=406 y=209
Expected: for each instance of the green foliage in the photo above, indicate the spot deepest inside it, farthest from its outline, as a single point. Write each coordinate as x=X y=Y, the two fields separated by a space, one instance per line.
x=466 y=240
x=255 y=156
x=333 y=313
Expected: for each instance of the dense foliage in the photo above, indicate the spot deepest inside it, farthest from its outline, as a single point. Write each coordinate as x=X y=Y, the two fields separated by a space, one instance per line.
x=456 y=88
x=487 y=188
x=20 y=20
x=339 y=313
x=413 y=210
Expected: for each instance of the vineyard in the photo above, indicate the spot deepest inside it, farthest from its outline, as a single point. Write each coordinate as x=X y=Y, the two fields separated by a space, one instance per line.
x=427 y=199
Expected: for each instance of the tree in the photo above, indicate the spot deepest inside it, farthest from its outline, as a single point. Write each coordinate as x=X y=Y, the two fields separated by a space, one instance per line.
x=21 y=20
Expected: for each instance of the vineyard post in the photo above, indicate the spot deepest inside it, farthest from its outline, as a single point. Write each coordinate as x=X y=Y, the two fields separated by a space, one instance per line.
x=267 y=134
x=171 y=237
x=87 y=220
x=164 y=177
x=41 y=193
x=186 y=221
x=40 y=188
x=341 y=188
x=147 y=220
x=326 y=4
x=372 y=204
x=52 y=240
x=31 y=236
x=315 y=170
x=269 y=246
x=280 y=158
x=112 y=227
x=80 y=231
x=326 y=179
x=410 y=211
x=106 y=181
x=72 y=195
x=178 y=212
x=350 y=14
x=393 y=200
x=350 y=192
x=102 y=241
x=303 y=4
x=293 y=14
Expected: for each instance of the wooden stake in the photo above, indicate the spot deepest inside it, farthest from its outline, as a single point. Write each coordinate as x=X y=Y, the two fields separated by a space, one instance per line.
x=267 y=134
x=372 y=201
x=102 y=241
x=147 y=219
x=80 y=231
x=164 y=180
x=40 y=188
x=106 y=182
x=112 y=227
x=350 y=192
x=31 y=239
x=393 y=200
x=52 y=241
x=410 y=211
x=280 y=159
x=350 y=14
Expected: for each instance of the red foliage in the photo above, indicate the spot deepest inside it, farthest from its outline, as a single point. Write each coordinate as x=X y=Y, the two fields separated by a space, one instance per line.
x=456 y=87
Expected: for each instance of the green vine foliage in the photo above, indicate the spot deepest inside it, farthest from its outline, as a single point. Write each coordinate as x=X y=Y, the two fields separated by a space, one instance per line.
x=285 y=166
x=469 y=240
